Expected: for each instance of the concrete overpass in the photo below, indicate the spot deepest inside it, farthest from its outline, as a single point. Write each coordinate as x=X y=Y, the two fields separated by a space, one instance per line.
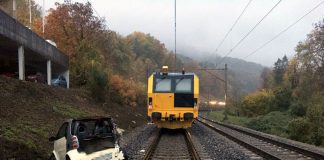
x=24 y=51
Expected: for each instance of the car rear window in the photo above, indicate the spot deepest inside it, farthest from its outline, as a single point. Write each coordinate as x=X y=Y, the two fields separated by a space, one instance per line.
x=94 y=134
x=91 y=129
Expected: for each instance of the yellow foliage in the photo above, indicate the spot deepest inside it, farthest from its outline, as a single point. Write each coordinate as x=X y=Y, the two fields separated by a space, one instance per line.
x=257 y=103
x=126 y=91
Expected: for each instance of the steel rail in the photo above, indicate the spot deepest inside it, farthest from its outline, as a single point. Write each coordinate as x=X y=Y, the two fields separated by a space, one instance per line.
x=307 y=152
x=251 y=147
x=190 y=145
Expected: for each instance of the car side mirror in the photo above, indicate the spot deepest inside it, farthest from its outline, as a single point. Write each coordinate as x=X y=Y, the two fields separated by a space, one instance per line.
x=51 y=139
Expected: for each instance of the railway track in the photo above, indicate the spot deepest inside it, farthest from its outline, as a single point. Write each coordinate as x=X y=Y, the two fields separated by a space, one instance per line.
x=265 y=147
x=171 y=144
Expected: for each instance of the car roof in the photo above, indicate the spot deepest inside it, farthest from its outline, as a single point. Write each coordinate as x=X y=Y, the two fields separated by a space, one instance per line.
x=91 y=118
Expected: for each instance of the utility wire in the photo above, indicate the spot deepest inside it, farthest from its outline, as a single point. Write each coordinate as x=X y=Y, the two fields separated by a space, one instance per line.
x=214 y=75
x=230 y=30
x=237 y=44
x=283 y=31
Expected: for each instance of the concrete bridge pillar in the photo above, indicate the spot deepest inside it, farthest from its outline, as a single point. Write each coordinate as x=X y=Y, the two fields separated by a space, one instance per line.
x=21 y=63
x=49 y=72
x=66 y=74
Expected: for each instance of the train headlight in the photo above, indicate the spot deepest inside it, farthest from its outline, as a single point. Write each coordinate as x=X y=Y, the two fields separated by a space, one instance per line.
x=165 y=70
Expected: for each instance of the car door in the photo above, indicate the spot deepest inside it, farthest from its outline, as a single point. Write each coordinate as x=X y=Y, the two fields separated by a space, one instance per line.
x=60 y=142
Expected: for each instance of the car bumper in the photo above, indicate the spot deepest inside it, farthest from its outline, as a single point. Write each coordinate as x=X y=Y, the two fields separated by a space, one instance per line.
x=104 y=154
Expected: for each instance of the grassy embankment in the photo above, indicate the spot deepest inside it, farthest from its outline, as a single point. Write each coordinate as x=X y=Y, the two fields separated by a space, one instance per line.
x=275 y=123
x=30 y=113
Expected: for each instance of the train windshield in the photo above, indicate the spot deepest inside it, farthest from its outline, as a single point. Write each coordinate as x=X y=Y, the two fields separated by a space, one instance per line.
x=163 y=85
x=173 y=84
x=183 y=85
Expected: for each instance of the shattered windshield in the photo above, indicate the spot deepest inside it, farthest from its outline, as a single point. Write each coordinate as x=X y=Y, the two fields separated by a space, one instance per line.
x=86 y=130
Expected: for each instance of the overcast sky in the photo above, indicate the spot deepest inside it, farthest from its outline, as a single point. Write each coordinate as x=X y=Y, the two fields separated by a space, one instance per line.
x=202 y=24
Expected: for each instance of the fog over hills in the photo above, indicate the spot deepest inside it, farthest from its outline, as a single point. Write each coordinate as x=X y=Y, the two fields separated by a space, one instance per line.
x=243 y=76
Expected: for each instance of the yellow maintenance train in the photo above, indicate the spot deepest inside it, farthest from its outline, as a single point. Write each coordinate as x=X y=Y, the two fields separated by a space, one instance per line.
x=173 y=98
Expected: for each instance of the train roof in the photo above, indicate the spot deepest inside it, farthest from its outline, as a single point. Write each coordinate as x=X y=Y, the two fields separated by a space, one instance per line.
x=174 y=73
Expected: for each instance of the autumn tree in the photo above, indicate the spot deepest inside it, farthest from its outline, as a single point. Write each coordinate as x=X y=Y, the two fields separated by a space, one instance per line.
x=292 y=74
x=72 y=25
x=310 y=56
x=279 y=69
x=146 y=46
x=266 y=78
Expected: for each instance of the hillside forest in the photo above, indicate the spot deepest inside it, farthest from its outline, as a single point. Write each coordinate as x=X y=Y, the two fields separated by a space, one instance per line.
x=290 y=100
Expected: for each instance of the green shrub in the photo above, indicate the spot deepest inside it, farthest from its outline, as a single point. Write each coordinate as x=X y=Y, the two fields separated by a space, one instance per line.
x=98 y=83
x=282 y=98
x=299 y=129
x=297 y=109
x=314 y=115
x=272 y=123
x=257 y=103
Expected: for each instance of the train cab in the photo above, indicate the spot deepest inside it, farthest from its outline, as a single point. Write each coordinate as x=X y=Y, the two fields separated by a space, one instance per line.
x=173 y=98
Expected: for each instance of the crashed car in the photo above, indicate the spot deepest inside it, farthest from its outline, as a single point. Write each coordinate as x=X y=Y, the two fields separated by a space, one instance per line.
x=87 y=138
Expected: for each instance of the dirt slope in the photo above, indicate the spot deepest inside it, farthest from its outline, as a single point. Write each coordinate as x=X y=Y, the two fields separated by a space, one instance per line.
x=30 y=113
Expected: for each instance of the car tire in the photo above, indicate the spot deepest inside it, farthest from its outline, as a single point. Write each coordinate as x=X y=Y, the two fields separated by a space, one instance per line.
x=52 y=157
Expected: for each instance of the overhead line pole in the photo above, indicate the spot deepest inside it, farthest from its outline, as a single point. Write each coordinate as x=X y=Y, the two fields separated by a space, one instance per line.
x=43 y=18
x=14 y=7
x=30 y=14
x=223 y=80
x=225 y=92
x=175 y=35
x=208 y=99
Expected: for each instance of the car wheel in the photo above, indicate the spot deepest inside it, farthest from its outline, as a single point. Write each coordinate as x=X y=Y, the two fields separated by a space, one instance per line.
x=52 y=157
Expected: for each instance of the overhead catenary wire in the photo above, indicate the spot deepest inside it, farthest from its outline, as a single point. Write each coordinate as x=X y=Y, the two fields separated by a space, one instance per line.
x=94 y=9
x=230 y=30
x=283 y=31
x=255 y=26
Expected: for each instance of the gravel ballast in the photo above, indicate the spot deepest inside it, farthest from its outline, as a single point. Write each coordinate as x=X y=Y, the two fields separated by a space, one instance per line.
x=135 y=143
x=217 y=146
